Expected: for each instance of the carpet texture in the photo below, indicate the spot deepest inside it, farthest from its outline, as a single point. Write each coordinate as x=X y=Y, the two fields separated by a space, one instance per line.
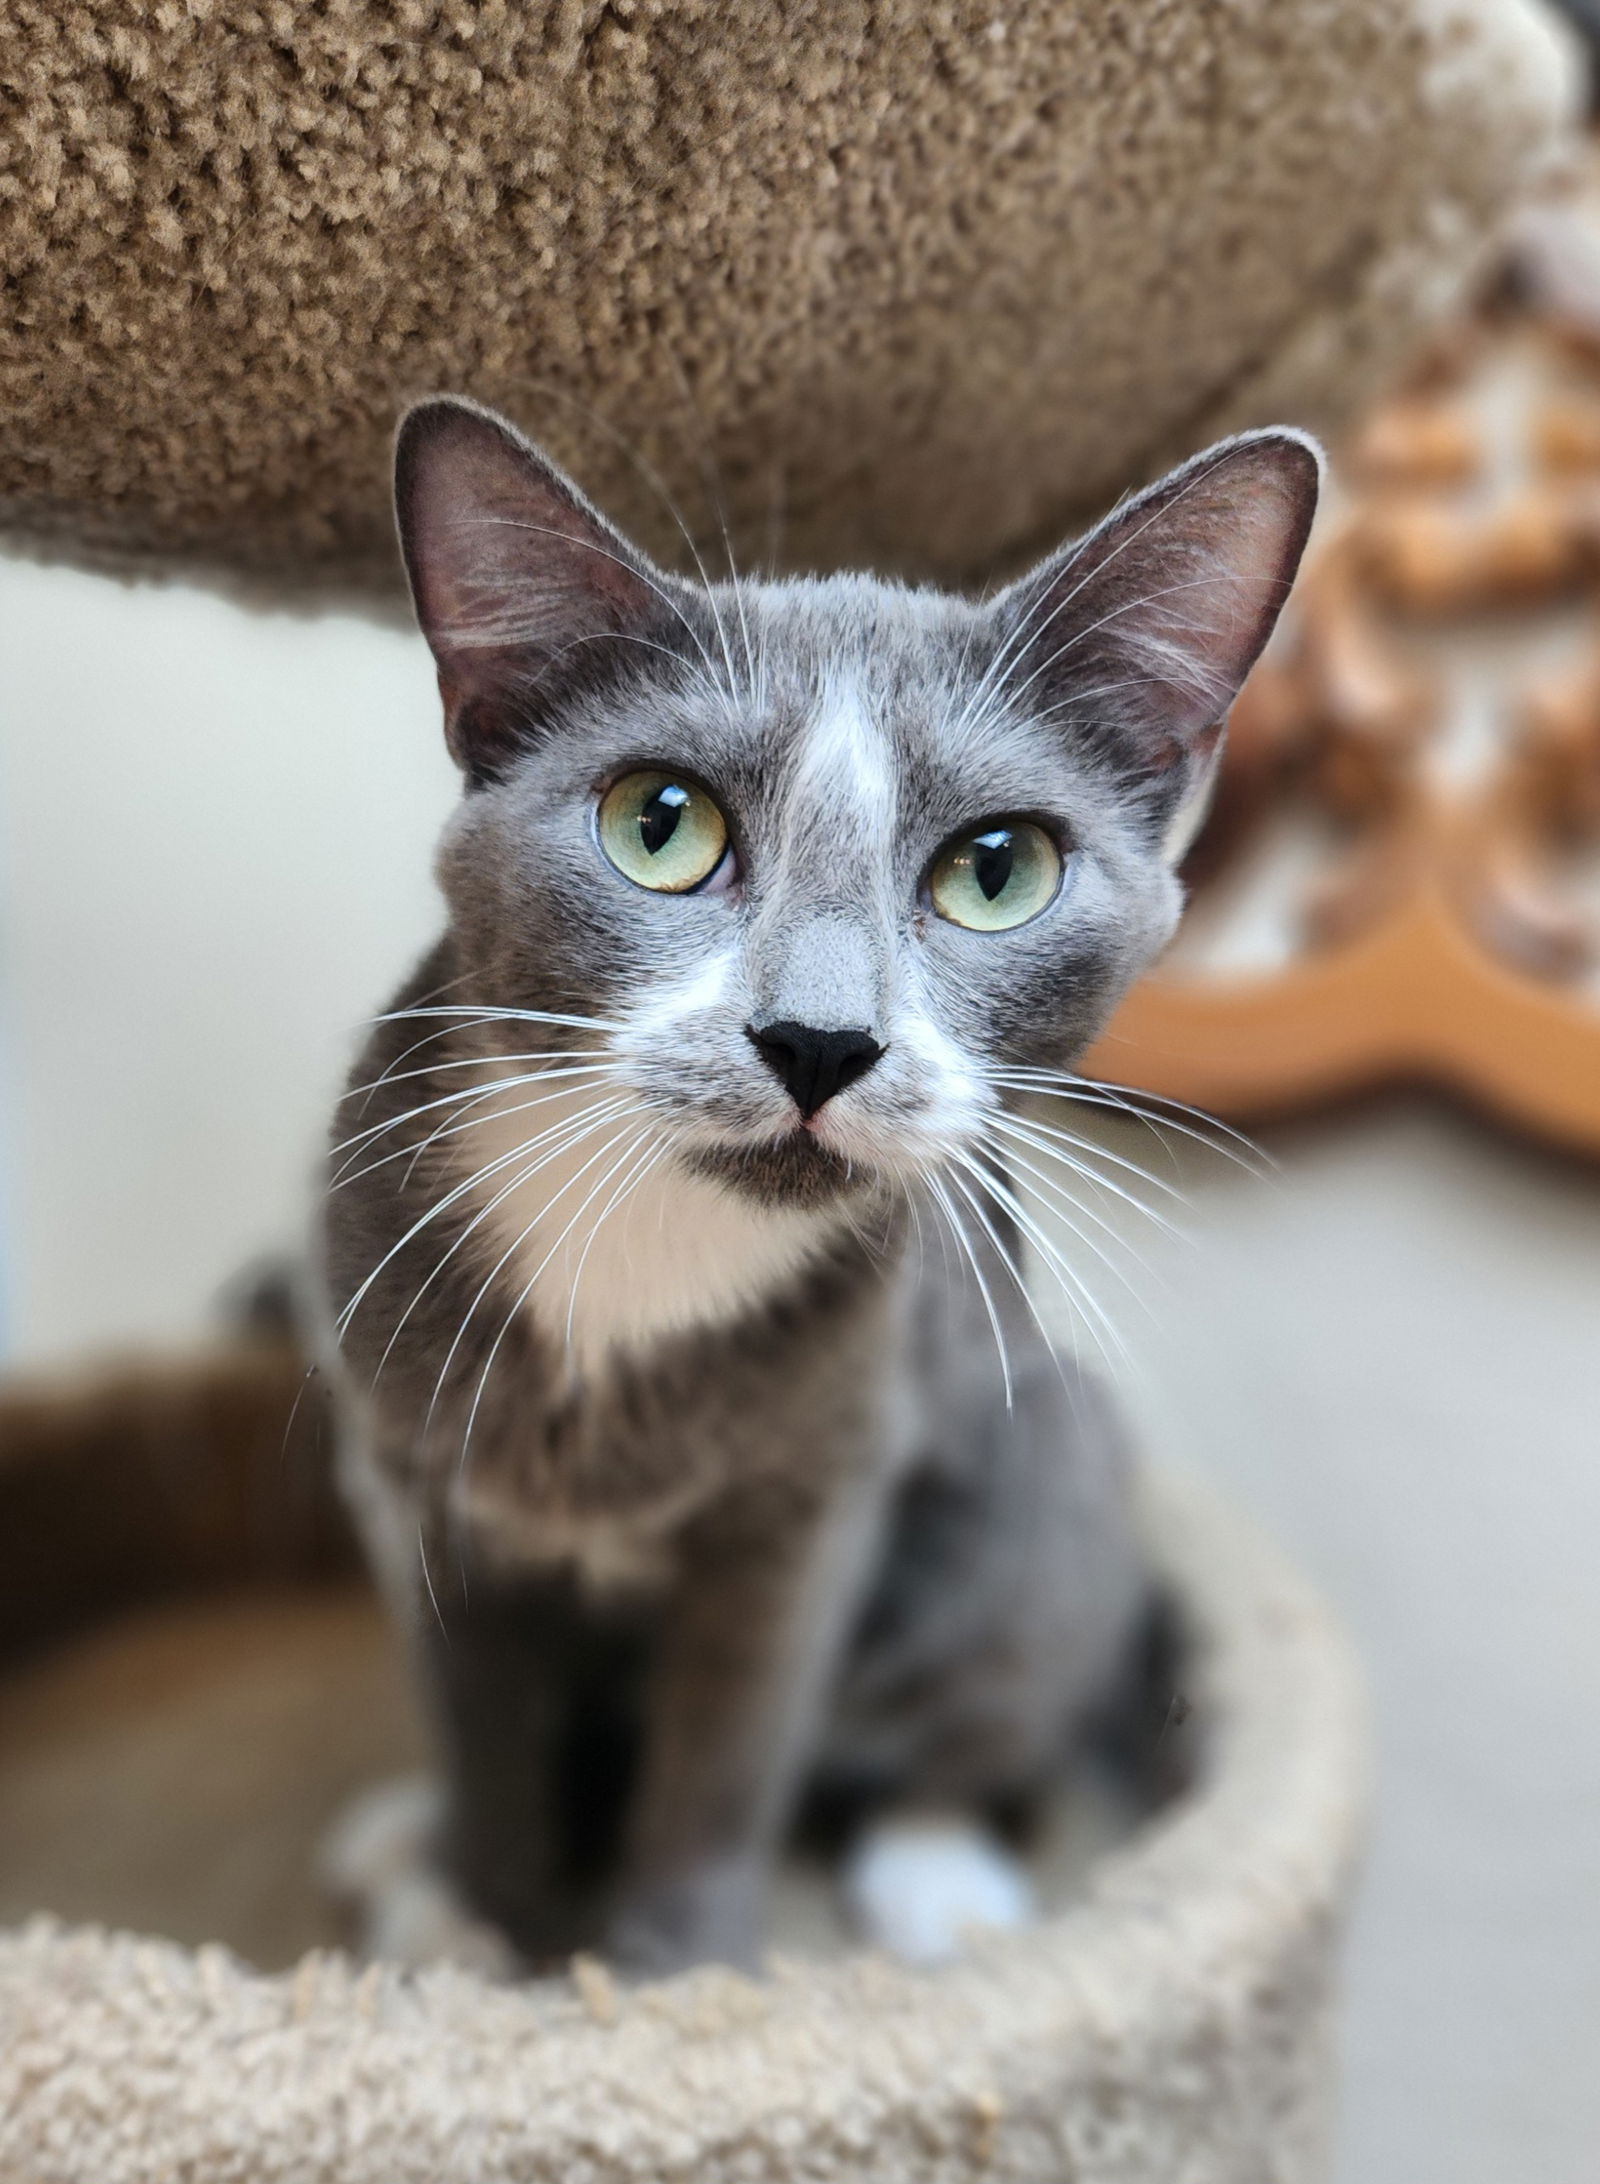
x=919 y=279
x=1177 y=2023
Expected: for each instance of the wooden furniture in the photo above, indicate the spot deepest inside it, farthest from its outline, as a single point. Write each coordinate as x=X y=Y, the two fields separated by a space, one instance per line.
x=1432 y=714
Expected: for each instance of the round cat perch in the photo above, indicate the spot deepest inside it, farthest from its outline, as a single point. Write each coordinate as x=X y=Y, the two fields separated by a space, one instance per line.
x=1174 y=2019
x=920 y=281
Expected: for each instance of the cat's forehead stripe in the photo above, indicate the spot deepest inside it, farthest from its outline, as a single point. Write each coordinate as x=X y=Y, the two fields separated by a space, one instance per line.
x=846 y=754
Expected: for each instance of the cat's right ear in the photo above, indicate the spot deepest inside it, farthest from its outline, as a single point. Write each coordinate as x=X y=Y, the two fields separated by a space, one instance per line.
x=513 y=574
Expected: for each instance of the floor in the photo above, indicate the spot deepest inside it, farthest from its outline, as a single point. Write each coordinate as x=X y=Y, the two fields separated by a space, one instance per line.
x=213 y=842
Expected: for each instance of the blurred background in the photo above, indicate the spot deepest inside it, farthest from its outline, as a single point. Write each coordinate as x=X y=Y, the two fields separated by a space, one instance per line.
x=215 y=829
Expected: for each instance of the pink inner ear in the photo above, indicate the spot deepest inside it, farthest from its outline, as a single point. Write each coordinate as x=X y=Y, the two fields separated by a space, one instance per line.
x=509 y=566
x=1166 y=606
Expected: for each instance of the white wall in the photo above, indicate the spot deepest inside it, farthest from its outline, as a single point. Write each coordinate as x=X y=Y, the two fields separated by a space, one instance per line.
x=213 y=847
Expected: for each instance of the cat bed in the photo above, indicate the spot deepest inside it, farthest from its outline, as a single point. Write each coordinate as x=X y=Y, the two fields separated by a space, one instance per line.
x=171 y=1531
x=919 y=282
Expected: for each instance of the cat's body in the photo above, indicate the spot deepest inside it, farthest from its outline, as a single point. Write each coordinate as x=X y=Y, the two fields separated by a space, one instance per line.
x=697 y=1421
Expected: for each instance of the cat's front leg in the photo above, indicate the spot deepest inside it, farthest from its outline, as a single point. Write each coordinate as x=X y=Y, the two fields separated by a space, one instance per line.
x=769 y=1585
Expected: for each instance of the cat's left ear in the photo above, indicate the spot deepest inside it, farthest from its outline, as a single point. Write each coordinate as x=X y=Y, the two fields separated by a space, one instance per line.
x=1136 y=639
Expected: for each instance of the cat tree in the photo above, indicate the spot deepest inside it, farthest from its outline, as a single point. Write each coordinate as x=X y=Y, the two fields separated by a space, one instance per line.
x=919 y=282
x=1173 y=2018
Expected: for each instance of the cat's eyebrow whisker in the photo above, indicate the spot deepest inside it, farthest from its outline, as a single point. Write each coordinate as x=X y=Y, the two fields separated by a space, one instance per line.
x=1030 y=624
x=1178 y=660
x=1039 y=615
x=941 y=1199
x=506 y=631
x=1002 y=702
x=704 y=680
x=567 y=1137
x=711 y=486
x=973 y=722
x=658 y=485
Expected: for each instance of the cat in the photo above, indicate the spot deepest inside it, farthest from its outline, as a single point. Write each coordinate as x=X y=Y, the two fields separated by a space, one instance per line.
x=698 y=1423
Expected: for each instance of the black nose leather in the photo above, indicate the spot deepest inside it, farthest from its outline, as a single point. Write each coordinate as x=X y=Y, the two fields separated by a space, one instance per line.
x=812 y=1065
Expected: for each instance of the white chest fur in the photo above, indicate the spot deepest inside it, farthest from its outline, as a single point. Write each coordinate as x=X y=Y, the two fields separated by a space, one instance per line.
x=608 y=1240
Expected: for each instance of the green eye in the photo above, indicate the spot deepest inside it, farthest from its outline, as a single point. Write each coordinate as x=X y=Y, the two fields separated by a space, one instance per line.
x=661 y=832
x=995 y=879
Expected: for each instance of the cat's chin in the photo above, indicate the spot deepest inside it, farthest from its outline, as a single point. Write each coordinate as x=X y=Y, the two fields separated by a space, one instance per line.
x=793 y=1170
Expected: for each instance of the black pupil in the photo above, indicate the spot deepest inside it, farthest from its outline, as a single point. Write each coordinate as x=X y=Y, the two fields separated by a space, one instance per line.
x=992 y=860
x=658 y=822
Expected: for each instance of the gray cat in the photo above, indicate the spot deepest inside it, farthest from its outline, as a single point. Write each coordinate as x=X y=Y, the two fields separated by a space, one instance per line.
x=696 y=1416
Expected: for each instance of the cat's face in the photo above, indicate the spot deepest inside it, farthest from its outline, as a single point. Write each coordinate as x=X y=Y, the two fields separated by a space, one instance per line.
x=822 y=860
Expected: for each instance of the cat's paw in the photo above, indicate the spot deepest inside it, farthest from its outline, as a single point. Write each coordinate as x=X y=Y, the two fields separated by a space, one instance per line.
x=378 y=1860
x=916 y=1886
x=709 y=1913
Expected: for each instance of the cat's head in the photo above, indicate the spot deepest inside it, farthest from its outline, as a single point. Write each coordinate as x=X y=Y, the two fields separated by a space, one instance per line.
x=826 y=857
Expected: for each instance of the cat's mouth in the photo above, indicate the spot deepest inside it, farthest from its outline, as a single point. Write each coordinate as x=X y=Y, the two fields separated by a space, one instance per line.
x=796 y=1169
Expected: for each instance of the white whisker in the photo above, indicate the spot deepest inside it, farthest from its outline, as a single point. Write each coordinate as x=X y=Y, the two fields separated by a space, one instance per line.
x=1071 y=1284
x=1053 y=1145
x=941 y=1199
x=1062 y=1203
x=528 y=1287
x=434 y=1211
x=653 y=1156
x=461 y=1096
x=549 y=1145
x=1149 y=1108
x=448 y=1129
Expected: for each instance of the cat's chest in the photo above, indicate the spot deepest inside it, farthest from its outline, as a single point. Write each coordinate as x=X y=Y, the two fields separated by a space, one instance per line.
x=609 y=1244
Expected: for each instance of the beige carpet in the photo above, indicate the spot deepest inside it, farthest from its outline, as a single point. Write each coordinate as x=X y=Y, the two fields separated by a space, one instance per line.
x=919 y=277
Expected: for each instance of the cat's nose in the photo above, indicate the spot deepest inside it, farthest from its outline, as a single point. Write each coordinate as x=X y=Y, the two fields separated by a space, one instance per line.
x=813 y=1064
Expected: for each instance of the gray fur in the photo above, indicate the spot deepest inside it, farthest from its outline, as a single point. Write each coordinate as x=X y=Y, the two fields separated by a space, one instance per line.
x=658 y=1583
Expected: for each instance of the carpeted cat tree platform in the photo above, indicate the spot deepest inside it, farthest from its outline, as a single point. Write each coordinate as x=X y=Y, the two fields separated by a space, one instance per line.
x=915 y=284
x=189 y=1685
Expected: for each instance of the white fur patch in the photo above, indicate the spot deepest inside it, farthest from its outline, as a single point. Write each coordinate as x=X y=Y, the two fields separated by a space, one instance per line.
x=959 y=1099
x=609 y=1240
x=702 y=990
x=846 y=753
x=612 y=1242
x=918 y=1887
x=377 y=1859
